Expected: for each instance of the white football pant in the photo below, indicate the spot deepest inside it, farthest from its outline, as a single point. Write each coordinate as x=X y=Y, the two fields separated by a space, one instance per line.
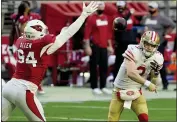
x=20 y=93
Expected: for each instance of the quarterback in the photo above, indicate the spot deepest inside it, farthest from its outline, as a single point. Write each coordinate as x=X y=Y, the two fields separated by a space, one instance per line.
x=140 y=61
x=33 y=49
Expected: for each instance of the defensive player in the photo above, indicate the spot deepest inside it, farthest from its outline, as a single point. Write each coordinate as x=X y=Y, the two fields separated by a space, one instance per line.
x=33 y=49
x=139 y=62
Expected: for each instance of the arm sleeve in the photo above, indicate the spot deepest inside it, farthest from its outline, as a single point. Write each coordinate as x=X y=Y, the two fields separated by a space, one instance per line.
x=142 y=22
x=110 y=25
x=49 y=38
x=167 y=22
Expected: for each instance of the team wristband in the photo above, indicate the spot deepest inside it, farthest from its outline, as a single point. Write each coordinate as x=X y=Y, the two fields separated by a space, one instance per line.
x=147 y=83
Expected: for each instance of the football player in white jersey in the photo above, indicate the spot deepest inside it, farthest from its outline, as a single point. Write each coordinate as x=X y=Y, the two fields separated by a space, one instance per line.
x=140 y=61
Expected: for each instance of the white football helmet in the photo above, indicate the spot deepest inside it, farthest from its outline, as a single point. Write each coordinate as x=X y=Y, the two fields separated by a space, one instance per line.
x=35 y=29
x=152 y=38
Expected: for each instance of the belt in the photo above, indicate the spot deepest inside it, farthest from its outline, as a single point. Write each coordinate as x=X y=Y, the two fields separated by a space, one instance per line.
x=118 y=89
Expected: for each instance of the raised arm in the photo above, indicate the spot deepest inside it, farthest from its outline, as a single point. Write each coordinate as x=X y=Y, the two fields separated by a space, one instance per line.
x=67 y=33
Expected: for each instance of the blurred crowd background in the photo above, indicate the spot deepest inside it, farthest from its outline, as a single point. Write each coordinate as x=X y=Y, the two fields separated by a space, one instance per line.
x=73 y=64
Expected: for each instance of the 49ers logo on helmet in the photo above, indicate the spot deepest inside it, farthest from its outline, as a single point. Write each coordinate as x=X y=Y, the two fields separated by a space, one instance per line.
x=130 y=93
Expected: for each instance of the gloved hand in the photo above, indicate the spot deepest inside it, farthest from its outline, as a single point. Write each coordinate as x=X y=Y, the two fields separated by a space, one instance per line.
x=156 y=67
x=152 y=87
x=91 y=8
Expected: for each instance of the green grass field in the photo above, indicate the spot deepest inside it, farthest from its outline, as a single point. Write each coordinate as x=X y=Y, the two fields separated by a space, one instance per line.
x=159 y=109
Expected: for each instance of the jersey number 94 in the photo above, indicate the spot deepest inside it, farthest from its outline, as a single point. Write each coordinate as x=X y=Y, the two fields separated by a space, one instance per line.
x=29 y=59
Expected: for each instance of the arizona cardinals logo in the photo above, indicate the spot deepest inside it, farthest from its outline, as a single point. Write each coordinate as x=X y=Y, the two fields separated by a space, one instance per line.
x=37 y=27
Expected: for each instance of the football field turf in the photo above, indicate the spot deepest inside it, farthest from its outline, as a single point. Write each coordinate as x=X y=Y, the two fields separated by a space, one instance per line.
x=159 y=109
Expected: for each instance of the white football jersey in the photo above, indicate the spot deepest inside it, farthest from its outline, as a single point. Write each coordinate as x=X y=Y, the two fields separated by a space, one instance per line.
x=143 y=66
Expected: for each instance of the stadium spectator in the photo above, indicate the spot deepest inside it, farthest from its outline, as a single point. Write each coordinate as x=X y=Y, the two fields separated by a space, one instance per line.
x=123 y=38
x=162 y=25
x=97 y=45
x=19 y=21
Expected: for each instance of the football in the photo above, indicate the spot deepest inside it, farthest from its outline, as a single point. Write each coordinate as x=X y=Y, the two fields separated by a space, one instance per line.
x=119 y=24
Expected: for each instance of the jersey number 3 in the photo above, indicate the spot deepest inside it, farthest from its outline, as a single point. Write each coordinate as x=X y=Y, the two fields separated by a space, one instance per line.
x=142 y=70
x=29 y=59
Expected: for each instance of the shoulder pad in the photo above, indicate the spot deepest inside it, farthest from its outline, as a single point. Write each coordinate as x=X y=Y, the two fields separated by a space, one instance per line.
x=129 y=53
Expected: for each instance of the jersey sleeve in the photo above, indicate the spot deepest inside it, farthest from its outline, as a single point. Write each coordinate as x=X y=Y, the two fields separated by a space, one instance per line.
x=49 y=38
x=23 y=19
x=130 y=53
x=88 y=27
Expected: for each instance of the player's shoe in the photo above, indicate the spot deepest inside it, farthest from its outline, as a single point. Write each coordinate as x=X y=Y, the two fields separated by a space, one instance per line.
x=40 y=90
x=106 y=91
x=97 y=91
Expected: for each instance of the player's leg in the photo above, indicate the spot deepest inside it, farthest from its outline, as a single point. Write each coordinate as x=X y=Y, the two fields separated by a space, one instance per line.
x=7 y=108
x=139 y=106
x=8 y=99
x=40 y=89
x=93 y=66
x=30 y=106
x=103 y=67
x=115 y=108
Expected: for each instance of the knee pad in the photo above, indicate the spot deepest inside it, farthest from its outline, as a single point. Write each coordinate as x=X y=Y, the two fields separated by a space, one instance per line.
x=143 y=117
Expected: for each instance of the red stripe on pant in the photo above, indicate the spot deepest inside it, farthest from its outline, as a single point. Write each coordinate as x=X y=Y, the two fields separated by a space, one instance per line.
x=31 y=104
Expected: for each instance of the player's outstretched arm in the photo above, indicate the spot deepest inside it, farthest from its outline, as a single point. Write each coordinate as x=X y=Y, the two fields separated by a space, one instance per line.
x=73 y=28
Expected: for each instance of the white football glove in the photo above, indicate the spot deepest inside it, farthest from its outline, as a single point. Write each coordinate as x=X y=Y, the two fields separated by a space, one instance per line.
x=91 y=8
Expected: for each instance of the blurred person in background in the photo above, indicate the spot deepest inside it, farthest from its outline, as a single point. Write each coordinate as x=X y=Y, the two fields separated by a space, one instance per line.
x=125 y=37
x=97 y=45
x=163 y=25
x=19 y=22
